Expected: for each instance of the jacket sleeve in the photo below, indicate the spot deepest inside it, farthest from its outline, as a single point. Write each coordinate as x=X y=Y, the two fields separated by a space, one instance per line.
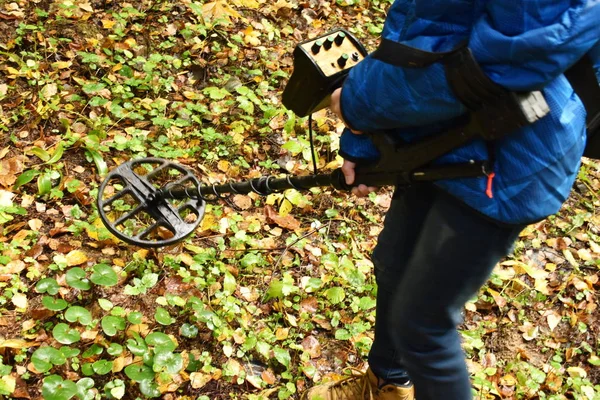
x=521 y=45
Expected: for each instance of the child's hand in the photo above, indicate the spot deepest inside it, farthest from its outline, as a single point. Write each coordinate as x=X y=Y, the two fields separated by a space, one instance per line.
x=337 y=109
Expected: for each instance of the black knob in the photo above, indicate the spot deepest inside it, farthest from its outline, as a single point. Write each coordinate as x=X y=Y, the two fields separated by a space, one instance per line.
x=343 y=60
x=316 y=47
x=355 y=56
x=328 y=43
x=339 y=39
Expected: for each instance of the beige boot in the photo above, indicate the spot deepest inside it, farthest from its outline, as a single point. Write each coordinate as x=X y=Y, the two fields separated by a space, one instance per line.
x=362 y=386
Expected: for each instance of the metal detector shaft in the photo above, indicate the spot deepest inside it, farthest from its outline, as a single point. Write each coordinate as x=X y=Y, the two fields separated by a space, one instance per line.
x=263 y=186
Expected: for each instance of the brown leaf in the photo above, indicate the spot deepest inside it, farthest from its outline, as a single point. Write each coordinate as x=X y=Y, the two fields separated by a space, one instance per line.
x=311 y=345
x=288 y=222
x=242 y=201
x=9 y=169
x=20 y=391
x=219 y=9
x=268 y=376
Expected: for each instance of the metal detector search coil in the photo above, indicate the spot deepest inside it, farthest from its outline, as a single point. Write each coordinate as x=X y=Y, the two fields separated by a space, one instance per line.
x=132 y=211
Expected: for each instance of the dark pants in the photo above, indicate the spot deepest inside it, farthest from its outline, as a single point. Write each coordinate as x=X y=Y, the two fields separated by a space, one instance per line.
x=432 y=256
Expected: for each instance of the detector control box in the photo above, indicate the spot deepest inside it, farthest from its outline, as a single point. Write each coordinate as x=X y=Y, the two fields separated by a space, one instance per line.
x=320 y=66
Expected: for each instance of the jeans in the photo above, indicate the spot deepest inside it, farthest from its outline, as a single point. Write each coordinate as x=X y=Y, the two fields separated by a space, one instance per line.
x=432 y=256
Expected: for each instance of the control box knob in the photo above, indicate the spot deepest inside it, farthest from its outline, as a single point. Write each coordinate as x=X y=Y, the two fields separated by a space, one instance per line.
x=316 y=47
x=343 y=60
x=328 y=43
x=339 y=39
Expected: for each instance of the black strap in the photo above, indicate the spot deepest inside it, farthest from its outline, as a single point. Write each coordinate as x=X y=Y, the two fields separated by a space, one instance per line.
x=582 y=78
x=405 y=56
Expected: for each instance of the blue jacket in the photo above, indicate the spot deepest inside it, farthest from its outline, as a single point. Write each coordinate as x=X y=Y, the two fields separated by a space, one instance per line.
x=522 y=45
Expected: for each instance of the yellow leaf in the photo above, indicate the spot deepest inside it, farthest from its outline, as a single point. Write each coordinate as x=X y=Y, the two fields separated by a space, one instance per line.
x=208 y=222
x=577 y=372
x=62 y=64
x=15 y=344
x=12 y=71
x=19 y=300
x=285 y=207
x=76 y=257
x=199 y=380
x=219 y=9
x=10 y=383
x=569 y=257
x=108 y=23
x=188 y=94
x=223 y=165
x=247 y=3
x=273 y=198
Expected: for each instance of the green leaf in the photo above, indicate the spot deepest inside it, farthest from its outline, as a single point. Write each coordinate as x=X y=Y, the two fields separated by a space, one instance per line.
x=94 y=350
x=293 y=146
x=163 y=317
x=111 y=324
x=135 y=317
x=47 y=285
x=229 y=283
x=343 y=334
x=216 y=93
x=58 y=152
x=53 y=304
x=104 y=275
x=87 y=369
x=139 y=372
x=99 y=161
x=275 y=290
x=114 y=349
x=83 y=389
x=168 y=361
x=102 y=367
x=77 y=313
x=64 y=334
x=283 y=356
x=91 y=88
x=104 y=304
x=69 y=352
x=26 y=177
x=160 y=341
x=335 y=295
x=45 y=357
x=54 y=388
x=39 y=153
x=137 y=346
x=149 y=388
x=188 y=331
x=76 y=278
x=44 y=183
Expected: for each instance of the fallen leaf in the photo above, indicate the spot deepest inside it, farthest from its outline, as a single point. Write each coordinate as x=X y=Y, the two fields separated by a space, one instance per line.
x=268 y=376
x=242 y=201
x=219 y=9
x=577 y=372
x=498 y=299
x=19 y=300
x=9 y=169
x=288 y=221
x=76 y=257
x=198 y=380
x=553 y=318
x=311 y=345
x=15 y=344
